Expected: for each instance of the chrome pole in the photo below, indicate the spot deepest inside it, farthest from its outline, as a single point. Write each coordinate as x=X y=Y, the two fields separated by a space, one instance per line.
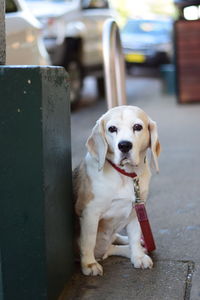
x=114 y=68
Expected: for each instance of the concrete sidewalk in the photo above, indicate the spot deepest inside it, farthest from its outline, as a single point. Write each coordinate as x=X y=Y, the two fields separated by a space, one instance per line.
x=173 y=205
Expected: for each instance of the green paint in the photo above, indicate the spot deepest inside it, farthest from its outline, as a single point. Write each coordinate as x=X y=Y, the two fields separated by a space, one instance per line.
x=35 y=192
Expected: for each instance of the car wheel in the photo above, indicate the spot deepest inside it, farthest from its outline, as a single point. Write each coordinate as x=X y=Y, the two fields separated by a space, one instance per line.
x=75 y=75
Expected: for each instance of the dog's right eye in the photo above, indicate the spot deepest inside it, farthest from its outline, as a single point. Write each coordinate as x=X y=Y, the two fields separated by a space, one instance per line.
x=112 y=129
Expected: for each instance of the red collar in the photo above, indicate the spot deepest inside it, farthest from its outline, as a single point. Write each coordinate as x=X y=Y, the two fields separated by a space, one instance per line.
x=132 y=175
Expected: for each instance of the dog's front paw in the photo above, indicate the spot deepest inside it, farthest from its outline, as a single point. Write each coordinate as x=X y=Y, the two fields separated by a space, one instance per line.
x=92 y=269
x=142 y=262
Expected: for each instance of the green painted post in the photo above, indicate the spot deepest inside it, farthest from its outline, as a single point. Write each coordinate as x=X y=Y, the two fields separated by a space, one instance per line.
x=2 y=33
x=35 y=191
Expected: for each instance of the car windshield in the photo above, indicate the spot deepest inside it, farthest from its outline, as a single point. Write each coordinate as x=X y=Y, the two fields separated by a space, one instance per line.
x=146 y=27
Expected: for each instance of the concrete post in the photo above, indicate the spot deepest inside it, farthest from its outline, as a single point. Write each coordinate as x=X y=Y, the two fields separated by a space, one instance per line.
x=2 y=33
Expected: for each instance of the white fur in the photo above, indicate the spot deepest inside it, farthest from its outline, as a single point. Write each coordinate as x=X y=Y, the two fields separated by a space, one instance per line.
x=113 y=193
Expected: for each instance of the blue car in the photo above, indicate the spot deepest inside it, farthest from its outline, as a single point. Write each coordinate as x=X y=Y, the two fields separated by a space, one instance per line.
x=147 y=42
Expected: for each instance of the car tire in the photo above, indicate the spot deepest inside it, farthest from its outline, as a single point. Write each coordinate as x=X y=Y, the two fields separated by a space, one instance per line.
x=73 y=68
x=101 y=87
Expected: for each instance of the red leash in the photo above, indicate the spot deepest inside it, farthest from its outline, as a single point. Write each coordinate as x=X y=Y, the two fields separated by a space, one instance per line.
x=143 y=218
x=140 y=210
x=145 y=227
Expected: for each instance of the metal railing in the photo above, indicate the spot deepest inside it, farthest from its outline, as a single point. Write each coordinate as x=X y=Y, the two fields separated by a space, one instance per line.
x=114 y=68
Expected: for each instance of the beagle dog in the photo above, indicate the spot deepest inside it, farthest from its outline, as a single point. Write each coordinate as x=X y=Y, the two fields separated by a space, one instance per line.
x=105 y=196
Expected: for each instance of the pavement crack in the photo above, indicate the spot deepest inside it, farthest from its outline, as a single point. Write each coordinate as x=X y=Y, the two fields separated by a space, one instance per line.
x=188 y=282
x=190 y=272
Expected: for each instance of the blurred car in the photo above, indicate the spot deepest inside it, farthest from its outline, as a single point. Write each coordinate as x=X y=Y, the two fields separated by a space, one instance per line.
x=73 y=37
x=147 y=42
x=24 y=44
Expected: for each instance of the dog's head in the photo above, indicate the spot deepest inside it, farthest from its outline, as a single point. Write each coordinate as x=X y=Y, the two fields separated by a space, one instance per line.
x=124 y=134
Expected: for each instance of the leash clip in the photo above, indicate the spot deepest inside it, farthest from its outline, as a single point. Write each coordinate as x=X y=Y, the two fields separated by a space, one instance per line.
x=137 y=190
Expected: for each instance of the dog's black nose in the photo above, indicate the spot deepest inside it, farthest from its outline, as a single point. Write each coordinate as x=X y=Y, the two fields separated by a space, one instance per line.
x=125 y=146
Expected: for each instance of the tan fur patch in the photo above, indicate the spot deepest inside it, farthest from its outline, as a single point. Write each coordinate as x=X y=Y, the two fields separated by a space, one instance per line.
x=90 y=265
x=158 y=148
x=102 y=225
x=82 y=188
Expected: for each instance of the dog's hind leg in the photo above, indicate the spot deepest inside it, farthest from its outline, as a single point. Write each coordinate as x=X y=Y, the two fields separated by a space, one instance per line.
x=120 y=239
x=122 y=250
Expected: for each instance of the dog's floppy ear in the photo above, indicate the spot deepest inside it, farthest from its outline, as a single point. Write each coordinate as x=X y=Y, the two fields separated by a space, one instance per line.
x=97 y=145
x=154 y=143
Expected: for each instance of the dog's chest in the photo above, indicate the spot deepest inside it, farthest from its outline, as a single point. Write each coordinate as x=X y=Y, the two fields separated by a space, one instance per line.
x=121 y=201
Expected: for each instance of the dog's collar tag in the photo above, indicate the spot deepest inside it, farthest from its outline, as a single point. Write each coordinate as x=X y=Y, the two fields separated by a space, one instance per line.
x=143 y=218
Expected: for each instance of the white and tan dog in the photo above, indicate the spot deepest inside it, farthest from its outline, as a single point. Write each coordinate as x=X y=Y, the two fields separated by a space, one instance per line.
x=105 y=197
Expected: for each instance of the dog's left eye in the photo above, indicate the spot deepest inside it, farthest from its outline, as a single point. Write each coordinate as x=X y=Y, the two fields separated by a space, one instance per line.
x=137 y=127
x=112 y=129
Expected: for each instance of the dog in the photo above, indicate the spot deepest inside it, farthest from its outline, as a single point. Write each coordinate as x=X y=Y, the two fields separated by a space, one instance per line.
x=104 y=197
